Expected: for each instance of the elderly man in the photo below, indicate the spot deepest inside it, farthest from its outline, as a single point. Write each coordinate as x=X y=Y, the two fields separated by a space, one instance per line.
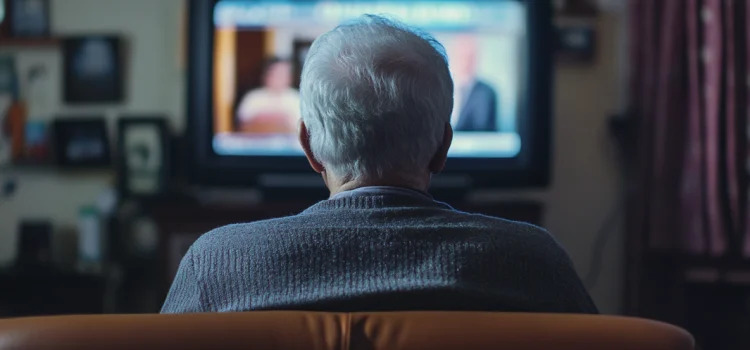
x=376 y=106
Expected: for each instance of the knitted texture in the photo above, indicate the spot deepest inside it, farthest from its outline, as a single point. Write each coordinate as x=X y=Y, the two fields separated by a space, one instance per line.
x=375 y=252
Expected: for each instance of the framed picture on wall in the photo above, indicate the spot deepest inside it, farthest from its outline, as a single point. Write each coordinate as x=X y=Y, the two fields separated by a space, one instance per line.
x=576 y=43
x=576 y=8
x=142 y=156
x=29 y=18
x=4 y=18
x=81 y=142
x=93 y=70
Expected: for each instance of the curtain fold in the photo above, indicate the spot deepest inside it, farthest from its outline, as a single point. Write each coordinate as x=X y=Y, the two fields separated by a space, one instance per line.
x=688 y=91
x=689 y=99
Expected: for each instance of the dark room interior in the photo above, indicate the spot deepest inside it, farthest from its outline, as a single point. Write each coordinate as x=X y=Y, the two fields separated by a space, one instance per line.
x=130 y=129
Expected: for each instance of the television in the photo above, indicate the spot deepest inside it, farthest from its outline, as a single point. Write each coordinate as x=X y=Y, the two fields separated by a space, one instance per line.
x=244 y=64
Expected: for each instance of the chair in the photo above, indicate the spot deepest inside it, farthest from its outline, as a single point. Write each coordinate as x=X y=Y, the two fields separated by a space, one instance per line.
x=318 y=330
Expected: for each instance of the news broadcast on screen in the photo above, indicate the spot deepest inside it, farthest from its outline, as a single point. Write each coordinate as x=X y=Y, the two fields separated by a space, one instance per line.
x=259 y=49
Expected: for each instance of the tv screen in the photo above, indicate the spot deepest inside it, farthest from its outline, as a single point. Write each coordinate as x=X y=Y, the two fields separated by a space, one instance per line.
x=245 y=98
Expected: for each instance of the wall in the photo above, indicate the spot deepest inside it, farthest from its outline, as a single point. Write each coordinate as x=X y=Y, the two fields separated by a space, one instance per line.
x=585 y=178
x=155 y=84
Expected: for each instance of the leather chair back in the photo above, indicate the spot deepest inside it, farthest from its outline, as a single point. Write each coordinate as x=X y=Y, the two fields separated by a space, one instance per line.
x=339 y=331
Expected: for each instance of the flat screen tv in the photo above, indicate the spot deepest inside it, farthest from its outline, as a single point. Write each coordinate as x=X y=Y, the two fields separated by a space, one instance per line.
x=242 y=134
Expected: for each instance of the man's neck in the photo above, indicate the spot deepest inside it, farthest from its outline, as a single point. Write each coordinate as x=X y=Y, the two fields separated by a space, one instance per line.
x=343 y=186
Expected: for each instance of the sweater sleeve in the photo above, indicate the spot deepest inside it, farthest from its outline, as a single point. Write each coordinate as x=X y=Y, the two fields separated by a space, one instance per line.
x=570 y=295
x=547 y=276
x=185 y=294
x=575 y=298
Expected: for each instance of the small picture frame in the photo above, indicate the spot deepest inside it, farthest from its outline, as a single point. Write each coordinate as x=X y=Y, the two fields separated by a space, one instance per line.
x=29 y=18
x=576 y=8
x=93 y=70
x=142 y=156
x=576 y=43
x=5 y=19
x=81 y=142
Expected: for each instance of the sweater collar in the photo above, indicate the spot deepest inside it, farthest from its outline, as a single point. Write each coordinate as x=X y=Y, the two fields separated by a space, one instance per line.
x=381 y=191
x=373 y=197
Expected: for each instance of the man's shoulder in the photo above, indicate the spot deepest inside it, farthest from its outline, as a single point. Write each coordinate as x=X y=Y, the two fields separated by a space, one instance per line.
x=513 y=233
x=244 y=235
x=254 y=235
x=499 y=223
x=484 y=87
x=481 y=84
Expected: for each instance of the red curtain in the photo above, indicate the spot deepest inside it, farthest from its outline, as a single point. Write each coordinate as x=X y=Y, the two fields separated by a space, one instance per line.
x=689 y=92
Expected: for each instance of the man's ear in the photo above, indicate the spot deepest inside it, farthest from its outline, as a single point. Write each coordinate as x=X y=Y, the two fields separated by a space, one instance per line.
x=304 y=140
x=441 y=156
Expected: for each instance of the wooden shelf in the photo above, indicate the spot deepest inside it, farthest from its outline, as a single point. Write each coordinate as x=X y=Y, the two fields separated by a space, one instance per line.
x=29 y=42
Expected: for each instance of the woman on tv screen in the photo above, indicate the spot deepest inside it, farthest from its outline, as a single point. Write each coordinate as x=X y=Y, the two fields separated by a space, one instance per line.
x=274 y=106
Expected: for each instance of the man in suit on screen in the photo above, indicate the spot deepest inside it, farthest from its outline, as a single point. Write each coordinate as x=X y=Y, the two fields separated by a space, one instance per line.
x=475 y=101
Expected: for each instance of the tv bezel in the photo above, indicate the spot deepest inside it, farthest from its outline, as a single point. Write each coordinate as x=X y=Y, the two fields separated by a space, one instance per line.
x=531 y=169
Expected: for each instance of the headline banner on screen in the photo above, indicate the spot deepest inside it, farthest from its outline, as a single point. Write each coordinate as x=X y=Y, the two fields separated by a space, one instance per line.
x=474 y=145
x=504 y=15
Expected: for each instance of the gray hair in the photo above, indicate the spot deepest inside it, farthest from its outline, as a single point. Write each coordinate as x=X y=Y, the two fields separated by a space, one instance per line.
x=375 y=97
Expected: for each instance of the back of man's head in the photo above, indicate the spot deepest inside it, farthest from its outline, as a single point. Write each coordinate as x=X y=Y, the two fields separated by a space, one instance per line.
x=376 y=97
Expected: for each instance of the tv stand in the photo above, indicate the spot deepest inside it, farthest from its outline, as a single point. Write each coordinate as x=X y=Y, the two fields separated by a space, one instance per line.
x=451 y=188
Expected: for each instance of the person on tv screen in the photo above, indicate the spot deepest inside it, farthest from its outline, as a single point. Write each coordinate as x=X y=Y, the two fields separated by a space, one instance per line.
x=273 y=107
x=376 y=106
x=475 y=101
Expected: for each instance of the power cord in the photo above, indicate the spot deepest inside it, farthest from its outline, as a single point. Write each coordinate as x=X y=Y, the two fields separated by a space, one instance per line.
x=603 y=234
x=622 y=129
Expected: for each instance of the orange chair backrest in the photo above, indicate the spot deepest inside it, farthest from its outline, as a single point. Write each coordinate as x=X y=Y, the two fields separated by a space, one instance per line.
x=339 y=331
